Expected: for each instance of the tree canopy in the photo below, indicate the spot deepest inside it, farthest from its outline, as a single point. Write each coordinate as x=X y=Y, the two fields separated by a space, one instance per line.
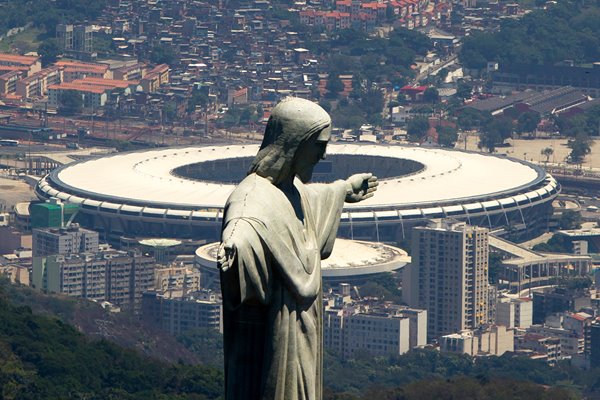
x=47 y=14
x=44 y=358
x=566 y=30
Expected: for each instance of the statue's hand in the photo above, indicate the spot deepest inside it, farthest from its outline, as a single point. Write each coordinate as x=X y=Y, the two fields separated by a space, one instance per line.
x=360 y=187
x=225 y=256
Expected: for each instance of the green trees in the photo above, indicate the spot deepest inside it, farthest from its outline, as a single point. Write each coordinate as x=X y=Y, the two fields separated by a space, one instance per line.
x=44 y=358
x=579 y=129
x=570 y=219
x=162 y=54
x=239 y=114
x=547 y=152
x=334 y=86
x=46 y=14
x=563 y=31
x=469 y=118
x=416 y=128
x=580 y=147
x=447 y=136
x=376 y=59
x=464 y=91
x=431 y=95
x=70 y=102
x=494 y=133
x=527 y=122
x=49 y=51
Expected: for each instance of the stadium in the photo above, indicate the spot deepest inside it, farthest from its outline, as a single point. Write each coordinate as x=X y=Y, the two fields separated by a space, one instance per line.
x=180 y=192
x=352 y=261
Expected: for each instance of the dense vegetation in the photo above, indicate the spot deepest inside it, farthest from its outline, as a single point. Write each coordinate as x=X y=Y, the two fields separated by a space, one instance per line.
x=47 y=14
x=372 y=62
x=44 y=358
x=567 y=30
x=39 y=19
x=375 y=59
x=447 y=376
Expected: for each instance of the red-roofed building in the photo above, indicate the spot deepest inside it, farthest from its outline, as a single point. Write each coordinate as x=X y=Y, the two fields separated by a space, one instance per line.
x=155 y=78
x=237 y=96
x=375 y=9
x=37 y=84
x=8 y=82
x=414 y=92
x=11 y=62
x=73 y=70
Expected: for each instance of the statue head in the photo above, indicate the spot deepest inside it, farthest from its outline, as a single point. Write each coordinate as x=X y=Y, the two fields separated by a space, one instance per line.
x=297 y=133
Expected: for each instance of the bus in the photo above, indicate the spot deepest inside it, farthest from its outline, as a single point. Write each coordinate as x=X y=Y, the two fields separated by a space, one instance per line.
x=9 y=142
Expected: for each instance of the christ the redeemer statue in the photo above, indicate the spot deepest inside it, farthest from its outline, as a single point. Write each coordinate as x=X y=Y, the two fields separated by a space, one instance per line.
x=276 y=231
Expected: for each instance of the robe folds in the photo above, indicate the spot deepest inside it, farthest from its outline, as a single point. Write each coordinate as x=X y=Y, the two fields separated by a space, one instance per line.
x=272 y=300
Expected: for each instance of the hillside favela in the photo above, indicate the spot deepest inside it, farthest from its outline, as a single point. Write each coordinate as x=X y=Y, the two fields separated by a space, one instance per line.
x=464 y=135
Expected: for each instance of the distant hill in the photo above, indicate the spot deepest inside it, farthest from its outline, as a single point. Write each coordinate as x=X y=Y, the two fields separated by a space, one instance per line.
x=42 y=357
x=93 y=321
x=567 y=30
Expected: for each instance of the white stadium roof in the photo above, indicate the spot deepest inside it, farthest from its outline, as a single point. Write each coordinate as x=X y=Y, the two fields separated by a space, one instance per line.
x=145 y=178
x=349 y=258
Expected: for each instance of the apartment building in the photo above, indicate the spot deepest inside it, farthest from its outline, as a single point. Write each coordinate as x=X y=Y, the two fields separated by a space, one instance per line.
x=176 y=281
x=544 y=347
x=75 y=38
x=69 y=240
x=179 y=314
x=350 y=330
x=37 y=84
x=8 y=82
x=448 y=276
x=78 y=70
x=495 y=340
x=131 y=72
x=155 y=78
x=28 y=65
x=514 y=313
x=114 y=276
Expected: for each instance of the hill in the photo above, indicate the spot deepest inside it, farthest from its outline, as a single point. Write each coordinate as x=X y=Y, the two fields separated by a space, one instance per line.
x=567 y=30
x=42 y=357
x=95 y=322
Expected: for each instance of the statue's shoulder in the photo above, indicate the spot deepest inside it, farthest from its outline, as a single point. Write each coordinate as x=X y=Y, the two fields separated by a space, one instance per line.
x=250 y=188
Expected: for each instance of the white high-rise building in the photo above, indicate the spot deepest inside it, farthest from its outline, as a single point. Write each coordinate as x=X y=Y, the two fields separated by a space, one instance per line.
x=68 y=240
x=448 y=276
x=514 y=313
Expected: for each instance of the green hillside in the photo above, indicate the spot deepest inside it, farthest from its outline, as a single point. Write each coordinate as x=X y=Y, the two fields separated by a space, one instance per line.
x=567 y=30
x=43 y=358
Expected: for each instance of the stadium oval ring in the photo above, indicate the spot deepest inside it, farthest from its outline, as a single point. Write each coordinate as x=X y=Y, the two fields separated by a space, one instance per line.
x=142 y=193
x=352 y=261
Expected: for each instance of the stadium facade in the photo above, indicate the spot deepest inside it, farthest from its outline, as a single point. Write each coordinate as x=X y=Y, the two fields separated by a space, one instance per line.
x=180 y=192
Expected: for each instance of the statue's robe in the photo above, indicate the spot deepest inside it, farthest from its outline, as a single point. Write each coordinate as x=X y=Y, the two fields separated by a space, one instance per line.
x=272 y=300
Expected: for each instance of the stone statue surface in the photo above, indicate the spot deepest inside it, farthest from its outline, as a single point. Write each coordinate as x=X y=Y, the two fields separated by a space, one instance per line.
x=276 y=230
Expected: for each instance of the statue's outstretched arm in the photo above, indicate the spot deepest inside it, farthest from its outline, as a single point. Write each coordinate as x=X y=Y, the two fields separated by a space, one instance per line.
x=360 y=187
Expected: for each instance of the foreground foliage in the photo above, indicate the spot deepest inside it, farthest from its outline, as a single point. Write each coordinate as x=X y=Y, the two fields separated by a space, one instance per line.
x=567 y=30
x=44 y=358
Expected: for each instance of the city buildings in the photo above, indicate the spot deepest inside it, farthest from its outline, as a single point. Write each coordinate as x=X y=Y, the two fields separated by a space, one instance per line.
x=69 y=240
x=176 y=280
x=514 y=313
x=78 y=38
x=537 y=346
x=353 y=325
x=557 y=300
x=595 y=344
x=351 y=328
x=115 y=276
x=198 y=310
x=27 y=65
x=448 y=276
x=494 y=340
